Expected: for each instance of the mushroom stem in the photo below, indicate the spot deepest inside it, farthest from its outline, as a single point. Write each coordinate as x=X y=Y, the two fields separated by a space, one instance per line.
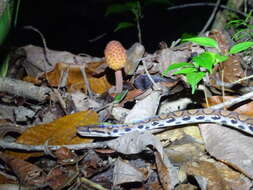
x=119 y=81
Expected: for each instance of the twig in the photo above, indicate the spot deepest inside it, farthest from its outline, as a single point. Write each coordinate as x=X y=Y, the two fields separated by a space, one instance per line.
x=205 y=93
x=233 y=101
x=92 y=184
x=97 y=38
x=205 y=4
x=46 y=51
x=86 y=81
x=63 y=78
x=211 y=17
x=146 y=70
x=41 y=148
x=222 y=86
x=60 y=100
x=242 y=79
x=8 y=176
x=24 y=89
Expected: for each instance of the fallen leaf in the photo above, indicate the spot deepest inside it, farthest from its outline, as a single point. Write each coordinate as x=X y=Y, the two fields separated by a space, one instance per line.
x=145 y=108
x=59 y=132
x=27 y=173
x=163 y=172
x=230 y=146
x=92 y=164
x=221 y=39
x=126 y=173
x=135 y=142
x=134 y=54
x=60 y=177
x=75 y=79
x=218 y=176
x=186 y=187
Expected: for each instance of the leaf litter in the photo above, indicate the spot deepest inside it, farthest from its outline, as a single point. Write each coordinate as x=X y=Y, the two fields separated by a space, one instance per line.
x=205 y=157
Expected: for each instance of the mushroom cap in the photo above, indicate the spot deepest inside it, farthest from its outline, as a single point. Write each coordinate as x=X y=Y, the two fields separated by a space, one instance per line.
x=115 y=55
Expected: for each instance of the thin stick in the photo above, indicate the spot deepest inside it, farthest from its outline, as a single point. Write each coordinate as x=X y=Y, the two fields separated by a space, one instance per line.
x=150 y=78
x=222 y=86
x=205 y=93
x=97 y=38
x=86 y=81
x=92 y=184
x=46 y=51
x=233 y=101
x=205 y=4
x=242 y=79
x=211 y=17
x=41 y=148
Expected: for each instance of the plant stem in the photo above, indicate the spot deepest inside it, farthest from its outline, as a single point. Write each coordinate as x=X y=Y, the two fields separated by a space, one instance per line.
x=139 y=30
x=119 y=81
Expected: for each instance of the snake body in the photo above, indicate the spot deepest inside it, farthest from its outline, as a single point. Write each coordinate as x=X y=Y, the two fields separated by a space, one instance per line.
x=165 y=121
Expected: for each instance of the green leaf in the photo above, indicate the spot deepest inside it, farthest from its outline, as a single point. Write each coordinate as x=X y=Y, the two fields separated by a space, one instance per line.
x=116 y=9
x=185 y=71
x=135 y=8
x=5 y=19
x=123 y=25
x=203 y=41
x=120 y=96
x=220 y=58
x=240 y=47
x=194 y=78
x=206 y=60
x=176 y=66
x=239 y=34
x=236 y=21
x=4 y=66
x=187 y=35
x=248 y=18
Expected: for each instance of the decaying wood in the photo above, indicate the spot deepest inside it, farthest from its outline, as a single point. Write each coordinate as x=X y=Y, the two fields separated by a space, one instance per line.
x=24 y=89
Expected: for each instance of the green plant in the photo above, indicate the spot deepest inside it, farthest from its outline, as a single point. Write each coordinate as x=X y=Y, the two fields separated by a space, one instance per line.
x=7 y=20
x=203 y=63
x=135 y=8
x=242 y=27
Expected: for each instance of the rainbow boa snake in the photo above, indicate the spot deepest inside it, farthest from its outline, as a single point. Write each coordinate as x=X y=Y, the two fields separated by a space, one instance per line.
x=165 y=121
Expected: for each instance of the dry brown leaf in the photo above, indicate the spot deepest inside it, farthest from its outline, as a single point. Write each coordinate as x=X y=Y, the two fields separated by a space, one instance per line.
x=186 y=187
x=131 y=95
x=75 y=79
x=59 y=132
x=27 y=173
x=31 y=79
x=221 y=39
x=60 y=177
x=232 y=69
x=163 y=172
x=246 y=109
x=230 y=146
x=99 y=85
x=124 y=172
x=219 y=176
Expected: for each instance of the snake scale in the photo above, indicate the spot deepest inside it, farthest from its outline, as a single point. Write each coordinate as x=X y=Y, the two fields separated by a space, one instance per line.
x=165 y=121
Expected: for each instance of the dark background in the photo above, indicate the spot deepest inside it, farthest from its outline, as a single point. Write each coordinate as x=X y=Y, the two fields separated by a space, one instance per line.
x=69 y=25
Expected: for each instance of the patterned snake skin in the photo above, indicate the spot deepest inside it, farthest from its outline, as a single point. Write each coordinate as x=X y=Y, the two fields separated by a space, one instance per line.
x=165 y=121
